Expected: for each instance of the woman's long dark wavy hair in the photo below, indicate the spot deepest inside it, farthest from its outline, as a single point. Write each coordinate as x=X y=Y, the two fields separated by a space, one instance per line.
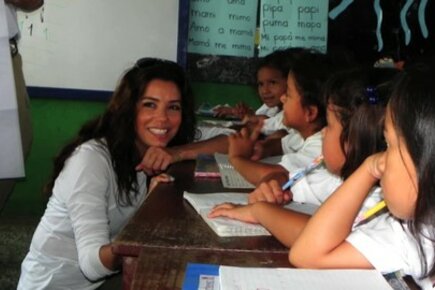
x=116 y=126
x=360 y=98
x=412 y=108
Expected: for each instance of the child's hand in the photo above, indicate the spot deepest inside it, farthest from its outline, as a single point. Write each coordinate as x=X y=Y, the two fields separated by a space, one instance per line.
x=258 y=150
x=233 y=211
x=241 y=144
x=223 y=111
x=376 y=165
x=270 y=191
x=241 y=110
x=166 y=178
x=156 y=160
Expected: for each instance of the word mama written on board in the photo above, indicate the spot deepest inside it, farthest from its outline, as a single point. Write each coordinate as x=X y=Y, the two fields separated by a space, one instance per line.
x=226 y=28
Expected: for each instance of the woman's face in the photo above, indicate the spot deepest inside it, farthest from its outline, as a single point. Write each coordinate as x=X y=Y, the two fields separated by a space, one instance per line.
x=333 y=154
x=399 y=177
x=158 y=114
x=271 y=85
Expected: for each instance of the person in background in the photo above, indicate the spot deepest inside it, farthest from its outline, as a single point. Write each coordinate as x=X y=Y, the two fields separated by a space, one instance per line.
x=95 y=188
x=7 y=185
x=271 y=78
x=402 y=239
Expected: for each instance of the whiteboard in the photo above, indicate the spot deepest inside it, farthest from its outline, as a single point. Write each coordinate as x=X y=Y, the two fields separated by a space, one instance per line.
x=11 y=155
x=88 y=44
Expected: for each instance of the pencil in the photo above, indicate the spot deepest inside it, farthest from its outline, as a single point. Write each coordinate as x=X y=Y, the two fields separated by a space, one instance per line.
x=374 y=210
x=371 y=212
x=316 y=162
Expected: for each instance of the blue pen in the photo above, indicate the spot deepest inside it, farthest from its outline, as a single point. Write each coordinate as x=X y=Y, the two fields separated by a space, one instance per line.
x=316 y=162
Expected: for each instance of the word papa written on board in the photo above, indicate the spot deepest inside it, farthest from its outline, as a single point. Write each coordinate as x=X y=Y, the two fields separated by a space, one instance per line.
x=293 y=23
x=222 y=27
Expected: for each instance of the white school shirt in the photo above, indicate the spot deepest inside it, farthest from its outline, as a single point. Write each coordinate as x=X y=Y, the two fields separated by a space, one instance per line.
x=304 y=155
x=81 y=216
x=273 y=124
x=388 y=246
x=267 y=111
x=317 y=186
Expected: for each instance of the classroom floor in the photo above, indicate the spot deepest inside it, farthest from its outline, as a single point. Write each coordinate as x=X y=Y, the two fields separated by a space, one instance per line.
x=15 y=236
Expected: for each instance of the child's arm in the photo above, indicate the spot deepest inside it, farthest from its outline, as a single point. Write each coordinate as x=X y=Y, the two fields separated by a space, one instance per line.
x=322 y=243
x=285 y=225
x=254 y=171
x=241 y=149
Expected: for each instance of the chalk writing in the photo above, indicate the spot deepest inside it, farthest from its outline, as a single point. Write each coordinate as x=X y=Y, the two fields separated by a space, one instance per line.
x=293 y=23
x=222 y=27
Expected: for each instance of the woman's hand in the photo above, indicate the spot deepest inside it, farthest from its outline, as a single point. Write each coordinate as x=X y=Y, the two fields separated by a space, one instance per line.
x=156 y=160
x=165 y=178
x=234 y=211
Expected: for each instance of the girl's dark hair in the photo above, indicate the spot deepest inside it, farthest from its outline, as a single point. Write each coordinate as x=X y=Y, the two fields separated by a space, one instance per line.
x=360 y=97
x=116 y=126
x=310 y=71
x=412 y=108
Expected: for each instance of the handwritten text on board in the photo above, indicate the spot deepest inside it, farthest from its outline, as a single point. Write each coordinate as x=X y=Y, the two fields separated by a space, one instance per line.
x=222 y=27
x=293 y=23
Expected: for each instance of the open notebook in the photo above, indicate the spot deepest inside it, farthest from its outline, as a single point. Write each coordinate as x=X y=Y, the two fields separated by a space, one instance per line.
x=234 y=278
x=230 y=177
x=225 y=227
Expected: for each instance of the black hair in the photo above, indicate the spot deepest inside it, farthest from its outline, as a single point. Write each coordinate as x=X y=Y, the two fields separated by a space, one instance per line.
x=310 y=71
x=412 y=108
x=360 y=97
x=115 y=127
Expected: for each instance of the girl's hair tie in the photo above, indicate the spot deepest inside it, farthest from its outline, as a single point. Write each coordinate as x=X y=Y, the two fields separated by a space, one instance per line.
x=372 y=95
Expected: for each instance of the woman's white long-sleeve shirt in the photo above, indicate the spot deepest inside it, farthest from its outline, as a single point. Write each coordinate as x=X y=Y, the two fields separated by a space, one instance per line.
x=81 y=216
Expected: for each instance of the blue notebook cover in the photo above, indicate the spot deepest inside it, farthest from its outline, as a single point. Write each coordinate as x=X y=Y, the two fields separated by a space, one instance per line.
x=193 y=271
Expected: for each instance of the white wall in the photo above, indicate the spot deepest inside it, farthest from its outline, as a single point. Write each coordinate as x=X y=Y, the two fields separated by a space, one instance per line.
x=88 y=44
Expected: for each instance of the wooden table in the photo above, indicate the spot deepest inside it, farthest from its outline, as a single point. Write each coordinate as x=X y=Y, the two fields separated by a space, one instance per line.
x=166 y=233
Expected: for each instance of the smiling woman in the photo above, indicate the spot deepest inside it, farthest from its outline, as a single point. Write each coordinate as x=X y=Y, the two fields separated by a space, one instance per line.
x=95 y=187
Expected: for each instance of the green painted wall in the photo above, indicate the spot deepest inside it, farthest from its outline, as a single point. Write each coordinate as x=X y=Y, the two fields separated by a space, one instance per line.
x=57 y=121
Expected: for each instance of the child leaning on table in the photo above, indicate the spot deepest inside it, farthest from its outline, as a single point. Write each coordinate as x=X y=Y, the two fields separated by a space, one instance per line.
x=404 y=238
x=95 y=188
x=271 y=77
x=271 y=80
x=356 y=109
x=303 y=111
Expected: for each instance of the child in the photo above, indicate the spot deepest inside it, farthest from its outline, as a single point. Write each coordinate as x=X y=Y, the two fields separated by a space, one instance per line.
x=402 y=239
x=95 y=188
x=356 y=105
x=303 y=111
x=272 y=73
